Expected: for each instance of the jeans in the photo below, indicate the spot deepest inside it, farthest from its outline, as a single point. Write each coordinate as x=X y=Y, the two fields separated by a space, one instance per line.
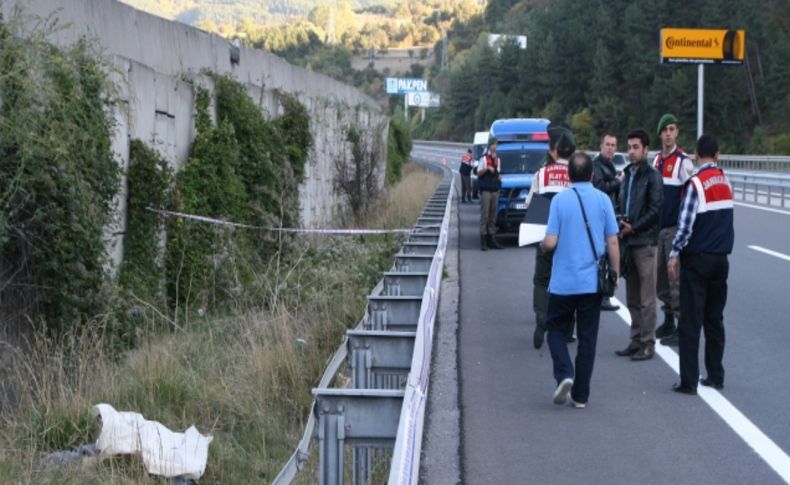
x=560 y=317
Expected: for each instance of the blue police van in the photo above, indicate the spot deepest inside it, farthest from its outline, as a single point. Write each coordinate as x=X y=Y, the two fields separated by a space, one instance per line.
x=522 y=144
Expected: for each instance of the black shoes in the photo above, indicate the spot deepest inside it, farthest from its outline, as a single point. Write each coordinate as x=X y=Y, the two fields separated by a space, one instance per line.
x=493 y=243
x=684 y=389
x=671 y=340
x=668 y=327
x=632 y=349
x=608 y=306
x=705 y=381
x=645 y=353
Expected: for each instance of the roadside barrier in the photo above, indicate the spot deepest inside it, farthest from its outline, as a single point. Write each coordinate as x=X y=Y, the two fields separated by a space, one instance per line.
x=388 y=355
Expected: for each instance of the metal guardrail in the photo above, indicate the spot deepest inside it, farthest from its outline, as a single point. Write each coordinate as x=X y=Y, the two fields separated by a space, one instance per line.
x=388 y=354
x=762 y=163
x=756 y=185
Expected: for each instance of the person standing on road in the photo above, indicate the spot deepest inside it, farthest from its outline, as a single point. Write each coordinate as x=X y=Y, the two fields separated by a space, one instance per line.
x=704 y=238
x=605 y=179
x=675 y=168
x=488 y=182
x=466 y=176
x=573 y=289
x=547 y=182
x=640 y=205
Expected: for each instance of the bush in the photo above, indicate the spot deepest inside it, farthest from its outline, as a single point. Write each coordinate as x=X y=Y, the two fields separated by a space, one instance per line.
x=58 y=179
x=398 y=148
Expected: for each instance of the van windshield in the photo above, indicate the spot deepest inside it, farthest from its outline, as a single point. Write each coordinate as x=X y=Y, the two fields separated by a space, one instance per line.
x=521 y=161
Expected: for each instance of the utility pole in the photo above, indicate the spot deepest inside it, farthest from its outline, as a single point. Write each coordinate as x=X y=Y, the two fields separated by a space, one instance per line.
x=445 y=52
x=330 y=31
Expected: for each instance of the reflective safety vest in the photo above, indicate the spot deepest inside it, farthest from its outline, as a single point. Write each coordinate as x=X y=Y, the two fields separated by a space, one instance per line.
x=713 y=230
x=552 y=179
x=675 y=171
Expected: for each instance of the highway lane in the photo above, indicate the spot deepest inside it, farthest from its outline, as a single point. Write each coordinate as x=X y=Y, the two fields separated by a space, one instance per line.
x=635 y=428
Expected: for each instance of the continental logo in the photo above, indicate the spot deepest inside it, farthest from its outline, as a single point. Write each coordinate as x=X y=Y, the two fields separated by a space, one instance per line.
x=673 y=42
x=703 y=45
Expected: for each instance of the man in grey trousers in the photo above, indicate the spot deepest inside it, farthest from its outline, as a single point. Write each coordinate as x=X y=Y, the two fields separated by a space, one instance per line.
x=488 y=182
x=641 y=196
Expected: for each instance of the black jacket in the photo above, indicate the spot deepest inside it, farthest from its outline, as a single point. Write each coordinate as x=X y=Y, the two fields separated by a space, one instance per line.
x=647 y=194
x=605 y=178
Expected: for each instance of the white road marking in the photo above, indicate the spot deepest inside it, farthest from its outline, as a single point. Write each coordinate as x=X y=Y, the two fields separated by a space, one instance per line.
x=764 y=446
x=767 y=209
x=775 y=254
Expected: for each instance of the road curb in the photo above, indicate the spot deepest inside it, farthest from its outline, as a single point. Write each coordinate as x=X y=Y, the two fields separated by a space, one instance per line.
x=441 y=449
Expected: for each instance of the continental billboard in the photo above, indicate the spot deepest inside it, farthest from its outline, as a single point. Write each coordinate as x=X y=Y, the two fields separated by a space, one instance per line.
x=707 y=46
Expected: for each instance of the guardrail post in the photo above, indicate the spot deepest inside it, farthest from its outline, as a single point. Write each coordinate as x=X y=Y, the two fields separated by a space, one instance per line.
x=331 y=434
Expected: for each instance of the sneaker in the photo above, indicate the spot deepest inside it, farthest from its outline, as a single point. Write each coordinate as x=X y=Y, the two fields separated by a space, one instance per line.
x=562 y=391
x=578 y=405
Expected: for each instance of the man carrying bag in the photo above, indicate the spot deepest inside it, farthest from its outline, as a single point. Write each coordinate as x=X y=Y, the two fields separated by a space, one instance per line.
x=574 y=285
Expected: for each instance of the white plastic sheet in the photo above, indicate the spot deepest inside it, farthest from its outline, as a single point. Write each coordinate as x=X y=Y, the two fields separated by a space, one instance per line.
x=164 y=452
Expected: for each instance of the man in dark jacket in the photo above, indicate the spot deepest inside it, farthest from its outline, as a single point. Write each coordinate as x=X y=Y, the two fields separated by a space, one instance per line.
x=641 y=196
x=605 y=179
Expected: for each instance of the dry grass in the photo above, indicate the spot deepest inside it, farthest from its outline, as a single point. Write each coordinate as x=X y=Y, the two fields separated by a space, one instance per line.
x=244 y=378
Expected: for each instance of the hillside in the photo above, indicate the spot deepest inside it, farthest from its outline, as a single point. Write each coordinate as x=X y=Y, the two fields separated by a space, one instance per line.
x=220 y=12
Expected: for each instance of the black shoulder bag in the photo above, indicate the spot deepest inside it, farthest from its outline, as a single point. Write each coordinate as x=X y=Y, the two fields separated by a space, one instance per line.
x=607 y=277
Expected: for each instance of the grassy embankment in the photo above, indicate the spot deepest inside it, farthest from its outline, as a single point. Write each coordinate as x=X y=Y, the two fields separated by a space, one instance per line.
x=244 y=378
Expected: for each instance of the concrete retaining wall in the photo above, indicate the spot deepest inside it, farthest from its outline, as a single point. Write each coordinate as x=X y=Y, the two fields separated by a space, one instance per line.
x=158 y=63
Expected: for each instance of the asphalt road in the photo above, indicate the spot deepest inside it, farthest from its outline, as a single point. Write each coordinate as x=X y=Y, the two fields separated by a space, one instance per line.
x=634 y=429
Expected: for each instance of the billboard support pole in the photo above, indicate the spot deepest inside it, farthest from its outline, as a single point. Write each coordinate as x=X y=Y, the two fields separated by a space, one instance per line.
x=700 y=97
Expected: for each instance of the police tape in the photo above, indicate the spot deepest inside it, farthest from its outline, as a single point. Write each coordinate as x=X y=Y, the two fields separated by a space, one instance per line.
x=292 y=230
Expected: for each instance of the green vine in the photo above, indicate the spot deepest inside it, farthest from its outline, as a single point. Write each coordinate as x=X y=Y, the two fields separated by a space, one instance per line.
x=57 y=178
x=149 y=180
x=398 y=148
x=208 y=184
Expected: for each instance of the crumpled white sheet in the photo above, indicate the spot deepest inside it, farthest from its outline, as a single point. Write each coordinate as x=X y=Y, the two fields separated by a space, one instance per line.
x=164 y=452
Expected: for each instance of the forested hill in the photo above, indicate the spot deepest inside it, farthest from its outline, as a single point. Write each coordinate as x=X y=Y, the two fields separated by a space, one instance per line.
x=596 y=64
x=232 y=11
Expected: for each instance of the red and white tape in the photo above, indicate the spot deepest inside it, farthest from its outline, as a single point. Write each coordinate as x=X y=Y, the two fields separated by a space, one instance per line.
x=294 y=230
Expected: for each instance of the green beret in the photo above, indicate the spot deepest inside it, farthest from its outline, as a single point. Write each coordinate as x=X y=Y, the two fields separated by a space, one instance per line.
x=665 y=121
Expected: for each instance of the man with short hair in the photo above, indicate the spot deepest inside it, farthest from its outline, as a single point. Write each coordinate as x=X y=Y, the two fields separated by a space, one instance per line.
x=705 y=236
x=547 y=182
x=573 y=289
x=466 y=176
x=605 y=179
x=675 y=168
x=640 y=204
x=488 y=182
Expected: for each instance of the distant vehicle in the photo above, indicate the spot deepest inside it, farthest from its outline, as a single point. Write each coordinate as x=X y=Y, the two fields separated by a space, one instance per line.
x=522 y=145
x=478 y=148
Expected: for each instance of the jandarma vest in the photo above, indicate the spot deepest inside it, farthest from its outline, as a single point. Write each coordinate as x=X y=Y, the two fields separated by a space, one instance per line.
x=552 y=179
x=713 y=230
x=489 y=181
x=670 y=170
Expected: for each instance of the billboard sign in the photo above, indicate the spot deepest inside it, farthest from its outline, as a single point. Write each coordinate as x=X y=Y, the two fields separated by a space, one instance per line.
x=423 y=99
x=403 y=85
x=703 y=46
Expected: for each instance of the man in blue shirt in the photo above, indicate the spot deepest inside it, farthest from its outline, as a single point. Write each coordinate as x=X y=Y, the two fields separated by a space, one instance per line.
x=573 y=287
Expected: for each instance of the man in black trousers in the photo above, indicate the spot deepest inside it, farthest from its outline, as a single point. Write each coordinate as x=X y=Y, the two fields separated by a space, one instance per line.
x=704 y=238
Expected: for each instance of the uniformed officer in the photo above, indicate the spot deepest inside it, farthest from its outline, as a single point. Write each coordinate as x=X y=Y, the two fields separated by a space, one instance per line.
x=675 y=168
x=489 y=180
x=704 y=238
x=547 y=182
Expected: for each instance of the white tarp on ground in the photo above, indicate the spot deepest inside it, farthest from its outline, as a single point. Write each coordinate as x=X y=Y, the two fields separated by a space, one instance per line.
x=164 y=452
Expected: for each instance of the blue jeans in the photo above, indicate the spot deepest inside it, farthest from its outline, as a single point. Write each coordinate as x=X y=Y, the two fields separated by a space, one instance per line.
x=558 y=320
